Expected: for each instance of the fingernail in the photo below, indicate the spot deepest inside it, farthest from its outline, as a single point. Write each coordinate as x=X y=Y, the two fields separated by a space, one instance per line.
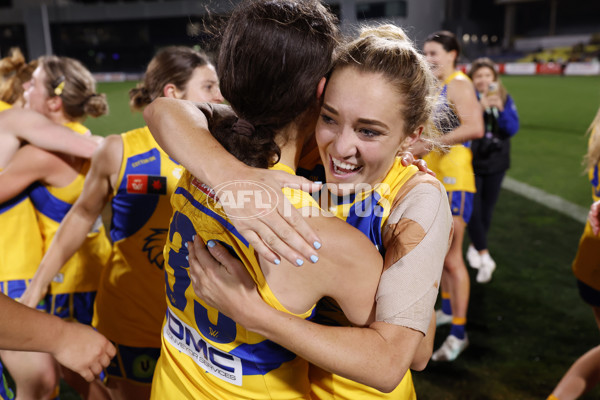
x=317 y=245
x=193 y=237
x=318 y=182
x=277 y=261
x=211 y=243
x=186 y=245
x=187 y=258
x=299 y=262
x=314 y=258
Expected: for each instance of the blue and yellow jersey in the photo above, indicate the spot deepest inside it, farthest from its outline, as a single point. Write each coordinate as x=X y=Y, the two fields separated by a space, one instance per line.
x=454 y=168
x=130 y=304
x=367 y=211
x=593 y=173
x=81 y=273
x=205 y=354
x=586 y=265
x=20 y=237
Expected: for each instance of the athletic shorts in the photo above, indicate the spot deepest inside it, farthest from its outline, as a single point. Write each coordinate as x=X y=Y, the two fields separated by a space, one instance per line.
x=461 y=204
x=15 y=289
x=72 y=306
x=589 y=294
x=133 y=363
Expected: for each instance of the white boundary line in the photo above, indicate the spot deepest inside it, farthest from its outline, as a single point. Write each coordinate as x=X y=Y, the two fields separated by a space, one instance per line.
x=552 y=201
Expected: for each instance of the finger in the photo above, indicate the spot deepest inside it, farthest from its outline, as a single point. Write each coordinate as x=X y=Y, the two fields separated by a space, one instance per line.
x=268 y=241
x=203 y=259
x=299 y=182
x=88 y=375
x=260 y=247
x=111 y=350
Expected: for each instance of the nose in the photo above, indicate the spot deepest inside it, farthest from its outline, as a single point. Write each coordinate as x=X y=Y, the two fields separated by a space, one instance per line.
x=217 y=96
x=345 y=145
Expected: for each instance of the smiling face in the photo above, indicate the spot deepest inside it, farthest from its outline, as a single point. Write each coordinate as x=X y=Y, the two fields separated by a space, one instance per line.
x=361 y=127
x=482 y=78
x=441 y=61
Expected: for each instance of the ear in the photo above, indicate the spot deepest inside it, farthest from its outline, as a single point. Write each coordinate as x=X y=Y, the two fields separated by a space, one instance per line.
x=54 y=103
x=321 y=87
x=170 y=90
x=411 y=139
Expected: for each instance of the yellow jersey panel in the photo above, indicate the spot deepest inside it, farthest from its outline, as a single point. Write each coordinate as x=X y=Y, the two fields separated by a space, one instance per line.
x=455 y=167
x=20 y=237
x=130 y=304
x=367 y=211
x=326 y=386
x=206 y=355
x=81 y=273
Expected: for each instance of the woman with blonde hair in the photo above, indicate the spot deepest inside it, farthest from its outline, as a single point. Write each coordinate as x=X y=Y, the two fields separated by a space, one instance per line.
x=64 y=91
x=377 y=102
x=137 y=177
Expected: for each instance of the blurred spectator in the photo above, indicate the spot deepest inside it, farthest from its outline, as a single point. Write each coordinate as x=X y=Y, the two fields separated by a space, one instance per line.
x=491 y=159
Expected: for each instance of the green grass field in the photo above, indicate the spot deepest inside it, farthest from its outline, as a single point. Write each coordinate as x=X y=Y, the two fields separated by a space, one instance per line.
x=528 y=325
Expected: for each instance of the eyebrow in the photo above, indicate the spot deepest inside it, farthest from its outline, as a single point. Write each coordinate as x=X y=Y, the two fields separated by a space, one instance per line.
x=361 y=120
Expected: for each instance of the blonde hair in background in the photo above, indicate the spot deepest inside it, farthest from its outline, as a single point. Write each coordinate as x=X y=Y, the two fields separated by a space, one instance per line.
x=69 y=79
x=386 y=49
x=14 y=72
x=592 y=156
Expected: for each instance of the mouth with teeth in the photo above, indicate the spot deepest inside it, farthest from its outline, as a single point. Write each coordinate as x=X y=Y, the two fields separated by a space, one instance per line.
x=341 y=168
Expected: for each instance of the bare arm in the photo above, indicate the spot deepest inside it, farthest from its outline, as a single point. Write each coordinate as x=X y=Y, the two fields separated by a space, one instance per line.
x=81 y=217
x=581 y=377
x=594 y=217
x=76 y=346
x=34 y=128
x=28 y=165
x=180 y=128
x=462 y=94
x=381 y=361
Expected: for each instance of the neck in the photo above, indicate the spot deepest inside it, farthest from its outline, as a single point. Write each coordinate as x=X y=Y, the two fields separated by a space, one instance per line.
x=292 y=147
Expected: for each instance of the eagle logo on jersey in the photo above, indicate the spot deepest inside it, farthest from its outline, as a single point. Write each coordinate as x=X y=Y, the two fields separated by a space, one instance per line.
x=153 y=246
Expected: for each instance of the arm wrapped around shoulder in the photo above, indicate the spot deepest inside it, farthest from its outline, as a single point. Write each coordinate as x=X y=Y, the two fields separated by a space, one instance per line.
x=416 y=237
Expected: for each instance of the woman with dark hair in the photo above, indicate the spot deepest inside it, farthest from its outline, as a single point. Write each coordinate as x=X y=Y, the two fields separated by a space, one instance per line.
x=455 y=170
x=361 y=140
x=491 y=159
x=137 y=177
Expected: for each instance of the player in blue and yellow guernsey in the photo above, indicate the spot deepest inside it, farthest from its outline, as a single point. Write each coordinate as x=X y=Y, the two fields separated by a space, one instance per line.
x=461 y=121
x=362 y=155
x=23 y=247
x=137 y=177
x=205 y=354
x=586 y=265
x=62 y=90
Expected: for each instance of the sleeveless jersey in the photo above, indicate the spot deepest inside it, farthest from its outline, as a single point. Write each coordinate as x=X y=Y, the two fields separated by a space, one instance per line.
x=204 y=354
x=130 y=304
x=454 y=168
x=368 y=212
x=586 y=265
x=20 y=236
x=81 y=273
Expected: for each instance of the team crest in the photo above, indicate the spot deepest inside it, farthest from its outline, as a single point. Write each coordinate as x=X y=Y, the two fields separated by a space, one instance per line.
x=153 y=246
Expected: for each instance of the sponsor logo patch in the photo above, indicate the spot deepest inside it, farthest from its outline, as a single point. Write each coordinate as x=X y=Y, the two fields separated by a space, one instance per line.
x=146 y=184
x=187 y=340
